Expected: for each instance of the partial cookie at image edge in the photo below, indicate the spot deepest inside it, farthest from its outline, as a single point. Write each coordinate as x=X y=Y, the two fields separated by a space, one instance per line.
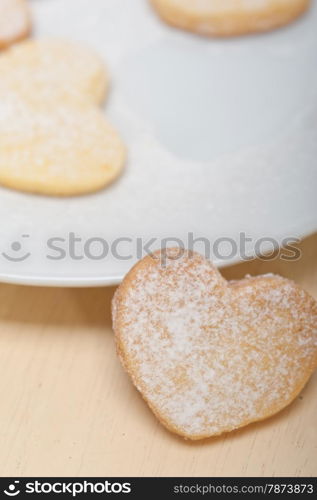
x=15 y=22
x=230 y=22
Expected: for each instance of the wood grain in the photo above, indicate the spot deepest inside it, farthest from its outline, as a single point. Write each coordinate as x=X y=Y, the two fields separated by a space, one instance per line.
x=67 y=407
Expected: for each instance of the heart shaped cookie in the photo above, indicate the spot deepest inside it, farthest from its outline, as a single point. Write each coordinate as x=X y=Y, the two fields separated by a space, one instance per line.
x=54 y=139
x=208 y=355
x=15 y=22
x=229 y=17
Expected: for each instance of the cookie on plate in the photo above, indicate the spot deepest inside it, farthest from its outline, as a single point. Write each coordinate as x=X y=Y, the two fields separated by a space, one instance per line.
x=229 y=17
x=54 y=139
x=208 y=355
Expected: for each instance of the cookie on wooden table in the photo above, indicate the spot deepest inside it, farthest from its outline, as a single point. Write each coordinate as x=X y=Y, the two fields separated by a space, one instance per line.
x=210 y=356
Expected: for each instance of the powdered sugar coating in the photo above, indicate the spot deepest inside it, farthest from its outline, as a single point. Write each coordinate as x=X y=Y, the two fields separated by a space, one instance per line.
x=210 y=357
x=42 y=71
x=62 y=151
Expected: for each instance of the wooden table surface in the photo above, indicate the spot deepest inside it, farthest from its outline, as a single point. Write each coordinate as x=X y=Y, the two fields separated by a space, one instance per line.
x=67 y=407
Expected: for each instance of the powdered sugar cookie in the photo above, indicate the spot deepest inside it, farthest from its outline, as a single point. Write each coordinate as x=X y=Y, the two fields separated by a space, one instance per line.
x=210 y=356
x=15 y=23
x=67 y=150
x=42 y=71
x=229 y=17
x=53 y=138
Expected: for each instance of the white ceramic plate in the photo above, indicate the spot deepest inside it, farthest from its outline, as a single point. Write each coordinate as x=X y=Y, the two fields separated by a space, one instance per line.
x=222 y=139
